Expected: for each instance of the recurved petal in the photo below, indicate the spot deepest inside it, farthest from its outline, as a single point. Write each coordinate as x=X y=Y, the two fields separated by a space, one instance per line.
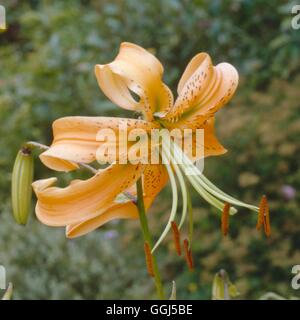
x=115 y=87
x=154 y=179
x=84 y=199
x=219 y=91
x=192 y=86
x=76 y=139
x=202 y=91
x=135 y=70
x=56 y=163
x=200 y=63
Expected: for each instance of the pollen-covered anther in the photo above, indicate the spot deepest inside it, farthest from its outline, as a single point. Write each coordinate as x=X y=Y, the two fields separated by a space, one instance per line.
x=267 y=226
x=264 y=216
x=149 y=259
x=225 y=219
x=261 y=212
x=176 y=237
x=188 y=254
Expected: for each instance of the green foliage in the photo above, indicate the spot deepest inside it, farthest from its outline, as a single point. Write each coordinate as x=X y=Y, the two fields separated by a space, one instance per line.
x=47 y=58
x=42 y=264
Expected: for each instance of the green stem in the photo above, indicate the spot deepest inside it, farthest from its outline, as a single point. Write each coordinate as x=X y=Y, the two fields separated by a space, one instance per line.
x=147 y=237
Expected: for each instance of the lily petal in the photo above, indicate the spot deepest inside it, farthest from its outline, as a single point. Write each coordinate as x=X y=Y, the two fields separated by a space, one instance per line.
x=126 y=210
x=83 y=199
x=199 y=65
x=75 y=139
x=154 y=179
x=212 y=147
x=193 y=85
x=135 y=70
x=203 y=90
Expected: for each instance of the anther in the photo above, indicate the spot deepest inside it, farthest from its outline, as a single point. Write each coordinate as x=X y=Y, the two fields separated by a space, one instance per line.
x=149 y=259
x=264 y=216
x=188 y=255
x=261 y=212
x=267 y=226
x=225 y=219
x=176 y=237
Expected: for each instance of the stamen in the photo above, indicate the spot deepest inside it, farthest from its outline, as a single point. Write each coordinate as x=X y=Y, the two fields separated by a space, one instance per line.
x=149 y=260
x=207 y=196
x=225 y=219
x=261 y=212
x=188 y=255
x=267 y=226
x=264 y=216
x=176 y=237
x=198 y=186
x=206 y=185
x=174 y=204
x=182 y=186
x=194 y=180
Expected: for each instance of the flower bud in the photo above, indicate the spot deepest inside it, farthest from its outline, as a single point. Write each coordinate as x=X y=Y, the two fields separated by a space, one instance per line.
x=9 y=292
x=173 y=293
x=21 y=189
x=223 y=288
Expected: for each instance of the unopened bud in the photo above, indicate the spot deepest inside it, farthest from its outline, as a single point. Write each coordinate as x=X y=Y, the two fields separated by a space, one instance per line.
x=21 y=189
x=8 y=293
x=173 y=293
x=223 y=288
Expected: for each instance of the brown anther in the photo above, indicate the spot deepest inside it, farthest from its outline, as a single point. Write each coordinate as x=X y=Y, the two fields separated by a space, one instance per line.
x=225 y=219
x=149 y=259
x=261 y=212
x=264 y=216
x=267 y=226
x=176 y=237
x=188 y=255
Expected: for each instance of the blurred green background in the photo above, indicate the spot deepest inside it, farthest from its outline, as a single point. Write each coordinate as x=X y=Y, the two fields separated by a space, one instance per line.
x=47 y=57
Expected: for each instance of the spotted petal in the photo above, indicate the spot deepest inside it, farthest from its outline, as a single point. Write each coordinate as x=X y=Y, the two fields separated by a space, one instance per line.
x=76 y=140
x=192 y=86
x=203 y=90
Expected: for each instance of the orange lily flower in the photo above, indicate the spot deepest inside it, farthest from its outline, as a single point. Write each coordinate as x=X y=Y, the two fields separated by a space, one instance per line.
x=85 y=205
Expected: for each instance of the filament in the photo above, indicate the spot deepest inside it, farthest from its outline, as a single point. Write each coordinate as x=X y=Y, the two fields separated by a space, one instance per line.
x=207 y=185
x=174 y=204
x=182 y=187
